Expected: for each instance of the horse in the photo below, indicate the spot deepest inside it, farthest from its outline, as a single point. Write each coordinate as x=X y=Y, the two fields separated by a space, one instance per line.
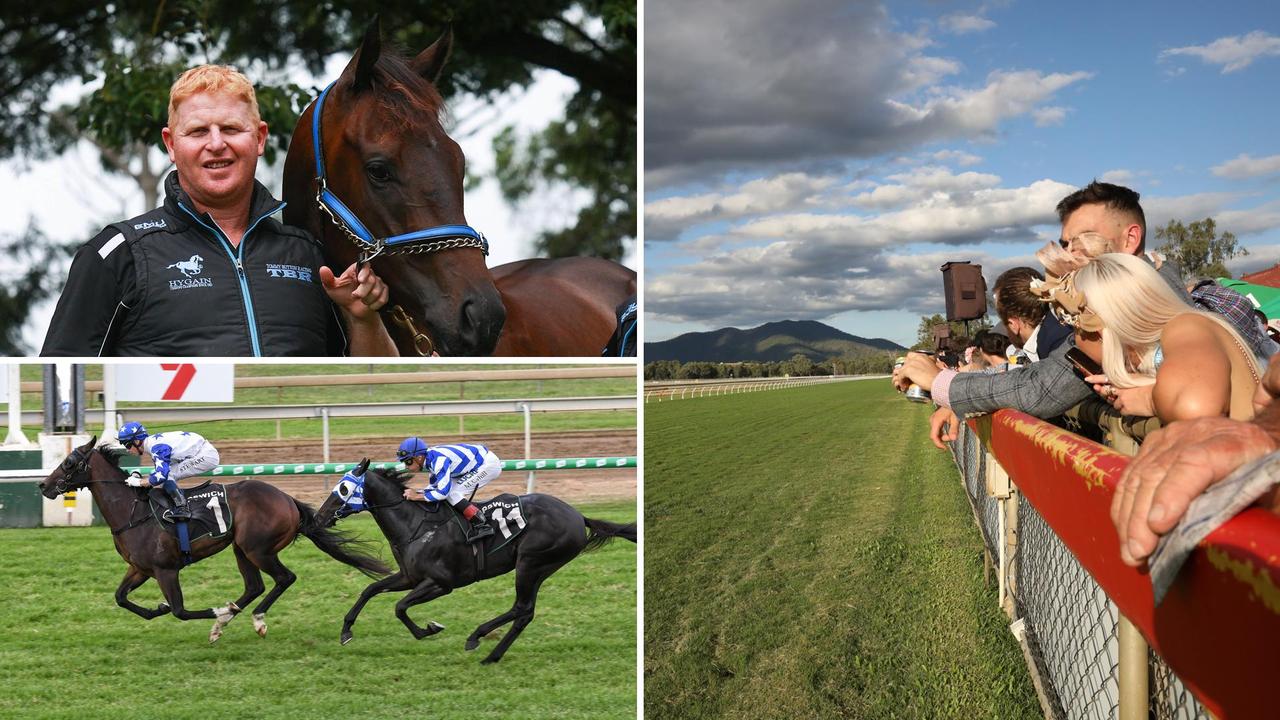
x=429 y=545
x=370 y=163
x=264 y=521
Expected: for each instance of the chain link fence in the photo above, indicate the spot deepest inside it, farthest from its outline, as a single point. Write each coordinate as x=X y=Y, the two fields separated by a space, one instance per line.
x=1066 y=622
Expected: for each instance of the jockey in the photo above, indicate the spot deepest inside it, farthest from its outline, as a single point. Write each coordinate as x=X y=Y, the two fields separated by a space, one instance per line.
x=177 y=455
x=457 y=471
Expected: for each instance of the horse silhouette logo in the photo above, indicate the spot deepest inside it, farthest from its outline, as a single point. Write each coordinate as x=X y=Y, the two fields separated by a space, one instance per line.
x=188 y=267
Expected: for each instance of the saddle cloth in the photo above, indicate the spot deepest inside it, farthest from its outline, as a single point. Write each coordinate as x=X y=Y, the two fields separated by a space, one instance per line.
x=505 y=513
x=210 y=512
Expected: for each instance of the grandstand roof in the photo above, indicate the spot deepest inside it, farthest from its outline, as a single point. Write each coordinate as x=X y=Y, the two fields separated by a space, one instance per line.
x=1270 y=276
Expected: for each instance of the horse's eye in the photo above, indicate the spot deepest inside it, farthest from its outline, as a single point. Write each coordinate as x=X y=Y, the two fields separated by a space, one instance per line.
x=378 y=171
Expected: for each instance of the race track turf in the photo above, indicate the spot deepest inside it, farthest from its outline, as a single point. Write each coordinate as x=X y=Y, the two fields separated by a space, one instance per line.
x=810 y=554
x=67 y=651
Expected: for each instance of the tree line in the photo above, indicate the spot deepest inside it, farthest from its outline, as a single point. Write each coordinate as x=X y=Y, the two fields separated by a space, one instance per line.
x=799 y=365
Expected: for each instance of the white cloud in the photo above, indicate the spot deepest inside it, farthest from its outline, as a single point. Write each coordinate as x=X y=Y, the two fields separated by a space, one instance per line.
x=1245 y=166
x=1047 y=116
x=963 y=112
x=960 y=24
x=959 y=157
x=665 y=219
x=1234 y=52
x=1117 y=177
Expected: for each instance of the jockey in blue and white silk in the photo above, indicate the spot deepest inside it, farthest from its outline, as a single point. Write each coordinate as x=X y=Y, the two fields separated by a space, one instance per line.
x=177 y=455
x=457 y=471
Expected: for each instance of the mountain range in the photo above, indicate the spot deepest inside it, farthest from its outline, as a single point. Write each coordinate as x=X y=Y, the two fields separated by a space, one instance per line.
x=770 y=342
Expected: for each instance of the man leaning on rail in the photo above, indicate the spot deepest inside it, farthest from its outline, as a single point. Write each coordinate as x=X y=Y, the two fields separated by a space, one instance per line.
x=210 y=272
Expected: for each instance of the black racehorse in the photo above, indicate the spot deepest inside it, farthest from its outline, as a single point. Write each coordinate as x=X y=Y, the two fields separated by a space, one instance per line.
x=264 y=521
x=538 y=535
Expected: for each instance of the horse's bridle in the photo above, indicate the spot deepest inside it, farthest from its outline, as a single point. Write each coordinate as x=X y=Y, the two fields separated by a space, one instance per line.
x=73 y=466
x=428 y=240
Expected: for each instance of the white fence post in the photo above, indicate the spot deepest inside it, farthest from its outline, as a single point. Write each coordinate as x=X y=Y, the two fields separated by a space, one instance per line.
x=15 y=435
x=324 y=419
x=528 y=443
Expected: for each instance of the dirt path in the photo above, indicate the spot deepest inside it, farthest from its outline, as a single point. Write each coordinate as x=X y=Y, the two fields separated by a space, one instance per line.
x=570 y=485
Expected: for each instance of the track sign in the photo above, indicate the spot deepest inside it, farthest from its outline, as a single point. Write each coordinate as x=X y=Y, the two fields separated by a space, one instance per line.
x=177 y=382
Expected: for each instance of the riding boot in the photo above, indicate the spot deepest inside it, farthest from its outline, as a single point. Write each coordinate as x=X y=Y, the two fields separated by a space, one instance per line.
x=479 y=529
x=180 y=511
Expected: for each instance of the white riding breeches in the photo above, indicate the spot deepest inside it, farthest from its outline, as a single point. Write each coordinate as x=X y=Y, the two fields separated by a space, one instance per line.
x=204 y=460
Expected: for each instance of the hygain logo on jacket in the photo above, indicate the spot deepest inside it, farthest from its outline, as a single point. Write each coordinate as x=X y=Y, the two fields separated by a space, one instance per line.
x=189 y=268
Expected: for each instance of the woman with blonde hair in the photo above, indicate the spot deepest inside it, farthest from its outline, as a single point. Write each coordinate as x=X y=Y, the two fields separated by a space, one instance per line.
x=1128 y=319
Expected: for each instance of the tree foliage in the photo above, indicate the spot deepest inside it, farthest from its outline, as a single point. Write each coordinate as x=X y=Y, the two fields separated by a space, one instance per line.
x=960 y=333
x=28 y=278
x=131 y=52
x=873 y=363
x=1198 y=249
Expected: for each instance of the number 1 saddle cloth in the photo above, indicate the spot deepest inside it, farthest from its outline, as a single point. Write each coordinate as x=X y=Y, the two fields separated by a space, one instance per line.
x=210 y=512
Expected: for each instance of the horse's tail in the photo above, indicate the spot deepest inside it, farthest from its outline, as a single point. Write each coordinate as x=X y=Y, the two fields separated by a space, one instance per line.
x=602 y=531
x=340 y=546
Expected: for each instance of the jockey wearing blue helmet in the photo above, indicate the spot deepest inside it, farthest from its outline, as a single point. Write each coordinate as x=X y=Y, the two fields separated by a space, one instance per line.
x=176 y=455
x=456 y=472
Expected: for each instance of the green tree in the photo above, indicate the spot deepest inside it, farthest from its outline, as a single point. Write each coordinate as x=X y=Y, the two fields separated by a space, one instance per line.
x=1198 y=249
x=924 y=333
x=29 y=277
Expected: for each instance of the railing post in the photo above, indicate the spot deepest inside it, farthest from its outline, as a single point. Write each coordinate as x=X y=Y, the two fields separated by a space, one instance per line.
x=528 y=444
x=15 y=435
x=1134 y=693
x=324 y=420
x=1000 y=488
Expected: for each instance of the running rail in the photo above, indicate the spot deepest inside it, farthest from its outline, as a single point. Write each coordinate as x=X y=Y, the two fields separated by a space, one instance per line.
x=1219 y=626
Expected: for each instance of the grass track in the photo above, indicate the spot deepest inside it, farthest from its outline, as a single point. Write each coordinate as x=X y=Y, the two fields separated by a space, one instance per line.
x=67 y=651
x=809 y=554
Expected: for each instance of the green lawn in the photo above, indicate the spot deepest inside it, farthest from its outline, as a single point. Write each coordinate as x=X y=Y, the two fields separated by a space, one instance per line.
x=67 y=651
x=810 y=554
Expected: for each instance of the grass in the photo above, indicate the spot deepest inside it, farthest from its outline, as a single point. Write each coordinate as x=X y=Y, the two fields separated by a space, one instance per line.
x=67 y=651
x=814 y=557
x=355 y=427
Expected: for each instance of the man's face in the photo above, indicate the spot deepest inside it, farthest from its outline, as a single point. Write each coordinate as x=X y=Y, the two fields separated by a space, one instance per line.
x=1122 y=236
x=215 y=143
x=413 y=464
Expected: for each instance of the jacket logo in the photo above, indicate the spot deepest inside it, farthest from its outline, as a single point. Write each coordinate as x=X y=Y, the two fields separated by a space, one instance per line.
x=150 y=224
x=189 y=267
x=296 y=272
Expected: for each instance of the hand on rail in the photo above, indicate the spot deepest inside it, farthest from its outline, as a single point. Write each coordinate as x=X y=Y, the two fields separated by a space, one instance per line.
x=944 y=427
x=1176 y=464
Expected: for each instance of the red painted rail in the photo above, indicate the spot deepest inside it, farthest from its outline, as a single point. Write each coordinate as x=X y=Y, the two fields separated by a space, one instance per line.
x=1219 y=626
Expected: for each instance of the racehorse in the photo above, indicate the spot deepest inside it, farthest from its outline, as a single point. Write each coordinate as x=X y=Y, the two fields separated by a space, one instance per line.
x=264 y=521
x=430 y=547
x=372 y=173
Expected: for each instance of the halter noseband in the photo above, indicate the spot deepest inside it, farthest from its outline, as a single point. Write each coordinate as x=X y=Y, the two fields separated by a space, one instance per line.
x=434 y=239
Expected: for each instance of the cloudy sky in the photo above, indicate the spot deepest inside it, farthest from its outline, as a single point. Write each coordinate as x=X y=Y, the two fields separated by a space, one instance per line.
x=820 y=160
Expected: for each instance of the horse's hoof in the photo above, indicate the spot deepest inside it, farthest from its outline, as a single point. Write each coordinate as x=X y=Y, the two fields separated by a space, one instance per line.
x=346 y=636
x=260 y=624
x=472 y=644
x=434 y=627
x=214 y=634
x=163 y=608
x=489 y=660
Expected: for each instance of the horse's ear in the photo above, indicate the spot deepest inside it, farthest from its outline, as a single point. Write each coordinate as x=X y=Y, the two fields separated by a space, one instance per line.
x=89 y=445
x=430 y=62
x=360 y=68
x=362 y=467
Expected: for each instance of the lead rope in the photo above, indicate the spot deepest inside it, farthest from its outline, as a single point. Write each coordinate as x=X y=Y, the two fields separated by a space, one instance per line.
x=402 y=318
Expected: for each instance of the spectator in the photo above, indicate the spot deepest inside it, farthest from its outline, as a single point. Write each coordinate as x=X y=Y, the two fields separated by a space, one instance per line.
x=1193 y=363
x=1179 y=462
x=990 y=348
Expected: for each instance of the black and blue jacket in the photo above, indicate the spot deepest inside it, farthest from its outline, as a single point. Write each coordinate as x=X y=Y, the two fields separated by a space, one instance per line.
x=168 y=283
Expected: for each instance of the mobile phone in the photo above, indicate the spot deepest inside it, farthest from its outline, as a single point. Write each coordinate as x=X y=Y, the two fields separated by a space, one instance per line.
x=1083 y=365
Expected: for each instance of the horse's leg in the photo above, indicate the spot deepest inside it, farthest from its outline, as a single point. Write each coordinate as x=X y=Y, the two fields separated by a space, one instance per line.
x=133 y=579
x=172 y=589
x=253 y=585
x=386 y=584
x=426 y=591
x=283 y=576
x=529 y=577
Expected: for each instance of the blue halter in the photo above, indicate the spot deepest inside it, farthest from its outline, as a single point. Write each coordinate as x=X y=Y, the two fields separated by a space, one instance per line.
x=433 y=239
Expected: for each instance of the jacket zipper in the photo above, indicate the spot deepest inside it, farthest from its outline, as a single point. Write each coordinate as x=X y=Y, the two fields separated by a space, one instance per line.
x=237 y=258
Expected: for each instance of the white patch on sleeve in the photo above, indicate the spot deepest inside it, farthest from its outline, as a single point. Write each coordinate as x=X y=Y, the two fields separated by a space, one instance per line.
x=111 y=244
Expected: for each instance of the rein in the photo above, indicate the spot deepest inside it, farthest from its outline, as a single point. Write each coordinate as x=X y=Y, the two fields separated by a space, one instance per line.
x=428 y=240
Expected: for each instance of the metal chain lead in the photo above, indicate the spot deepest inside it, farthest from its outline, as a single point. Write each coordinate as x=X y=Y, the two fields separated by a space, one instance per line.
x=371 y=250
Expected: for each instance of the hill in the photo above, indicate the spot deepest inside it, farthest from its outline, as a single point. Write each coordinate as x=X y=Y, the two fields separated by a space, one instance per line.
x=770 y=342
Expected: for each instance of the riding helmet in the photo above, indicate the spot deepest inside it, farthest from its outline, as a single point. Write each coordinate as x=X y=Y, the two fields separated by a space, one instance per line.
x=411 y=447
x=130 y=432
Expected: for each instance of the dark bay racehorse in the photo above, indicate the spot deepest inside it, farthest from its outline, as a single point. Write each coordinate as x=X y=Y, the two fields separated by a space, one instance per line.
x=265 y=521
x=430 y=546
x=392 y=192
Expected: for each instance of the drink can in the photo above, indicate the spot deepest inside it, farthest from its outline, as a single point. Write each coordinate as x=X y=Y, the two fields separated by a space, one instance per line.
x=915 y=393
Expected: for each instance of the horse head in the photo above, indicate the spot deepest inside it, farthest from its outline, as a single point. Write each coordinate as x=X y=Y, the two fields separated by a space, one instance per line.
x=386 y=156
x=73 y=473
x=346 y=498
